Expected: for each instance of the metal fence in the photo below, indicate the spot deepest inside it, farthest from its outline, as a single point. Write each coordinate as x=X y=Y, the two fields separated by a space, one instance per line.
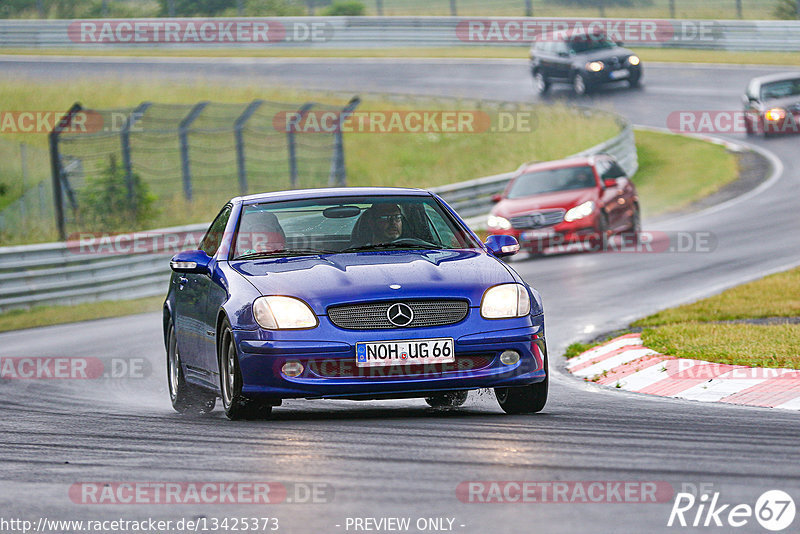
x=67 y=273
x=382 y=32
x=115 y=168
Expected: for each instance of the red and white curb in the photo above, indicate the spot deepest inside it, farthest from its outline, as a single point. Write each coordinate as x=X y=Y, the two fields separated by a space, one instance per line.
x=626 y=364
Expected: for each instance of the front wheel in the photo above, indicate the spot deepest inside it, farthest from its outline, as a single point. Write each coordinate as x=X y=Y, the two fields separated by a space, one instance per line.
x=236 y=405
x=524 y=399
x=541 y=83
x=185 y=398
x=579 y=84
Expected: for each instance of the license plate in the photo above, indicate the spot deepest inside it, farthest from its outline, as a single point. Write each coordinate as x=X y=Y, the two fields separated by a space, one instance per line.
x=534 y=235
x=405 y=352
x=619 y=74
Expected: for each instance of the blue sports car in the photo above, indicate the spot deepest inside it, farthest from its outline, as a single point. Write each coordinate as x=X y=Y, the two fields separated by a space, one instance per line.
x=351 y=293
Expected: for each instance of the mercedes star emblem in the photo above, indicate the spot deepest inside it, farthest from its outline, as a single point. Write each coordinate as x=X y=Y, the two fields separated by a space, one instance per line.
x=400 y=314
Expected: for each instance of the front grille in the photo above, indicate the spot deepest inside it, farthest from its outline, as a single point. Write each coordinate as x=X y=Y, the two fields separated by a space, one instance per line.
x=330 y=368
x=539 y=219
x=372 y=316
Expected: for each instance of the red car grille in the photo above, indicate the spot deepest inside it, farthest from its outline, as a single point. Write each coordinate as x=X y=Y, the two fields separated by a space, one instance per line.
x=348 y=369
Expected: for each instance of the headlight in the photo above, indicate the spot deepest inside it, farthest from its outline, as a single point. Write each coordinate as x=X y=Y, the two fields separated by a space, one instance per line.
x=634 y=60
x=595 y=66
x=579 y=212
x=775 y=114
x=505 y=301
x=498 y=223
x=283 y=313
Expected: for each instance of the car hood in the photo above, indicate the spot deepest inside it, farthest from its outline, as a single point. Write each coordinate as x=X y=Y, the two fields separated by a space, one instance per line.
x=511 y=207
x=333 y=279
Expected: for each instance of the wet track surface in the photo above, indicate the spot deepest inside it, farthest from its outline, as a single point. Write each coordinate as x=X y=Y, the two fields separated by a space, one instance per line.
x=400 y=458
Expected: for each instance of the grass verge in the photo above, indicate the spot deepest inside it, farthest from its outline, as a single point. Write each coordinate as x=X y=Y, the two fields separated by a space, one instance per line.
x=695 y=169
x=689 y=331
x=777 y=295
x=754 y=345
x=50 y=315
x=666 y=55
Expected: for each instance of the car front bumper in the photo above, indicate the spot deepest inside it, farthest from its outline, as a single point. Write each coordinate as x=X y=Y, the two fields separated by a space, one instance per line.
x=330 y=371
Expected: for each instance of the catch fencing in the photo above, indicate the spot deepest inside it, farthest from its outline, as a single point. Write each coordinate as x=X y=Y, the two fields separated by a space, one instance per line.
x=112 y=168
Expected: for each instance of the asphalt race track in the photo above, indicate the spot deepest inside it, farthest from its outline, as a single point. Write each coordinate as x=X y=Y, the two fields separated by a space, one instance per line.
x=401 y=458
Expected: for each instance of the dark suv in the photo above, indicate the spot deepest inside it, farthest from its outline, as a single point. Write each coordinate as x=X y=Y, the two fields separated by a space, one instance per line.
x=585 y=60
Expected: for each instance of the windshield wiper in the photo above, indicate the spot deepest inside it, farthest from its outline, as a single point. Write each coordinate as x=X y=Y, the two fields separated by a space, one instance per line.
x=386 y=246
x=284 y=252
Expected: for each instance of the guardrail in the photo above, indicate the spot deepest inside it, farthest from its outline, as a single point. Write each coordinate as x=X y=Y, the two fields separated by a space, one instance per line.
x=382 y=32
x=79 y=271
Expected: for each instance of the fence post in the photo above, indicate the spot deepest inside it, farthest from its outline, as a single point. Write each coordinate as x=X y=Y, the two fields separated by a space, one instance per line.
x=237 y=133
x=183 y=135
x=528 y=8
x=338 y=176
x=739 y=8
x=672 y=9
x=379 y=5
x=23 y=156
x=453 y=10
x=56 y=171
x=125 y=141
x=292 y=124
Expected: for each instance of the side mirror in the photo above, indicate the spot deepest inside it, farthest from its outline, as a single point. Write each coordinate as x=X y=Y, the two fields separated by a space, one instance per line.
x=190 y=261
x=497 y=197
x=563 y=54
x=502 y=245
x=610 y=182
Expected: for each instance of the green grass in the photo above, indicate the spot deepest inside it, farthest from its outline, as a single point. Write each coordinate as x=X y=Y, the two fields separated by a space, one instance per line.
x=576 y=349
x=668 y=55
x=777 y=295
x=689 y=331
x=737 y=344
x=675 y=171
x=49 y=315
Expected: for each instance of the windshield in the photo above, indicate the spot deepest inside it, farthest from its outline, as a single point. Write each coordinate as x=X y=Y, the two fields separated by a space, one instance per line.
x=347 y=224
x=781 y=89
x=550 y=181
x=588 y=43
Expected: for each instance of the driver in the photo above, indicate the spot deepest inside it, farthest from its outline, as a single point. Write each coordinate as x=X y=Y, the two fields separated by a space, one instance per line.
x=388 y=223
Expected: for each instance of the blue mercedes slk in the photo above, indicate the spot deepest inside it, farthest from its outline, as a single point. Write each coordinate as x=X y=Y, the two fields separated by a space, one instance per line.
x=350 y=293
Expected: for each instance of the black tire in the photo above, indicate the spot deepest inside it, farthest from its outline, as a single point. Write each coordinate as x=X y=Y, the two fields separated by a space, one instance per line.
x=452 y=399
x=186 y=398
x=748 y=126
x=601 y=242
x=540 y=83
x=635 y=83
x=524 y=399
x=236 y=405
x=636 y=225
x=579 y=84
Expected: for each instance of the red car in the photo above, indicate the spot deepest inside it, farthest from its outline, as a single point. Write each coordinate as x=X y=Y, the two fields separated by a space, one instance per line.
x=578 y=203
